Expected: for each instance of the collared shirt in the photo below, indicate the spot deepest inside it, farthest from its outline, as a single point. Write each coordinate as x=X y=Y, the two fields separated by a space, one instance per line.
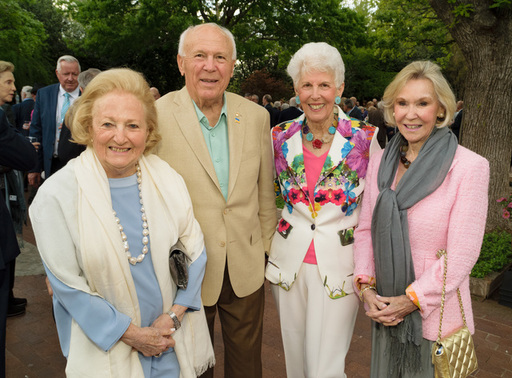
x=217 y=141
x=60 y=102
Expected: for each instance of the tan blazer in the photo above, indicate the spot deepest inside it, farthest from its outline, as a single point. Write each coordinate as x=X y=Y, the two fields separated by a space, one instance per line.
x=241 y=228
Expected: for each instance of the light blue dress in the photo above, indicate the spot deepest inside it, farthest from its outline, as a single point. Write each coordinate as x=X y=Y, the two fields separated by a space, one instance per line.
x=100 y=321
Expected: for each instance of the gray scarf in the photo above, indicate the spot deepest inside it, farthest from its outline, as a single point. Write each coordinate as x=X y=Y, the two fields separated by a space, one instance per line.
x=394 y=268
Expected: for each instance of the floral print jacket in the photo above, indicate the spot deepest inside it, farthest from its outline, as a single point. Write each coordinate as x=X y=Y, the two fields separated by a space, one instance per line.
x=331 y=216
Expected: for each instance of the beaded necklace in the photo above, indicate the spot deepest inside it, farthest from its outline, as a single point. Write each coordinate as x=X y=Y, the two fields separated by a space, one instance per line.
x=326 y=138
x=403 y=159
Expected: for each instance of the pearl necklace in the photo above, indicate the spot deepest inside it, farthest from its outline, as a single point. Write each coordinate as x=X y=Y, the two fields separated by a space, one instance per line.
x=145 y=230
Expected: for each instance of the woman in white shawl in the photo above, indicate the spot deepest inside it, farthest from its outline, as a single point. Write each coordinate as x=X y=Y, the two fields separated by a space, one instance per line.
x=104 y=225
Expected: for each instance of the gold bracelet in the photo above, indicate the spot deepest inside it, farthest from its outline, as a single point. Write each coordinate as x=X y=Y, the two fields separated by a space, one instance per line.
x=369 y=287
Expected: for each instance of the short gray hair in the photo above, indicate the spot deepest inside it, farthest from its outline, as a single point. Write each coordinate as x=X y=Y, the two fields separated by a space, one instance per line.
x=222 y=29
x=69 y=59
x=317 y=56
x=85 y=77
x=27 y=89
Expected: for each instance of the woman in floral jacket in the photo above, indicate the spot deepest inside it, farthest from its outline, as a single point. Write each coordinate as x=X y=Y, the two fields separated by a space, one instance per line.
x=320 y=160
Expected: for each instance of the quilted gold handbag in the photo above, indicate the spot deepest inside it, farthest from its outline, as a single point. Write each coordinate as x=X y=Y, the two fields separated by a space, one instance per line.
x=454 y=355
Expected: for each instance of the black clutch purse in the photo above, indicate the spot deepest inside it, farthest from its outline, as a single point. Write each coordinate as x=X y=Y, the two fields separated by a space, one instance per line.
x=178 y=265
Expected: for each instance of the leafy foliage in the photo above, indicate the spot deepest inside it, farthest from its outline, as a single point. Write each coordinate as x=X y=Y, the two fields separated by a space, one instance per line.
x=261 y=82
x=22 y=41
x=408 y=30
x=144 y=34
x=364 y=77
x=496 y=254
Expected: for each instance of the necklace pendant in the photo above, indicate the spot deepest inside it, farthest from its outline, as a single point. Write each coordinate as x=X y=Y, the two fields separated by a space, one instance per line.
x=317 y=143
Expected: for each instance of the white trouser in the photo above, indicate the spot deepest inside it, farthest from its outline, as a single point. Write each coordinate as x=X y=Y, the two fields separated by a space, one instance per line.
x=316 y=329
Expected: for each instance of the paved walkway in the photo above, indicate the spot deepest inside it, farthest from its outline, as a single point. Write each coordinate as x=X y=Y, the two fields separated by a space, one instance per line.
x=33 y=350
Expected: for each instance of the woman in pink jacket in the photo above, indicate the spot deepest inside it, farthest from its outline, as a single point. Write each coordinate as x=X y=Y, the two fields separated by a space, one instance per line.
x=424 y=193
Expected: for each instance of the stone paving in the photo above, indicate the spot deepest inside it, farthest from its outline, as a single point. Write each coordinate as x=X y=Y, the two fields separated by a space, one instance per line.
x=33 y=349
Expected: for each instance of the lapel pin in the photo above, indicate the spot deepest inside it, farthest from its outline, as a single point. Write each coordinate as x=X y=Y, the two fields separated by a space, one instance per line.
x=237 y=118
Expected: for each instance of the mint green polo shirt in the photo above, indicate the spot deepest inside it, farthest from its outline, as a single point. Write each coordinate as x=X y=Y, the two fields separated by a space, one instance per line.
x=217 y=141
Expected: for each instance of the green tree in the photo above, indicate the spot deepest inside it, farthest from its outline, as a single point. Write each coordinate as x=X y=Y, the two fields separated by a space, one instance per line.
x=364 y=77
x=404 y=31
x=22 y=39
x=482 y=30
x=260 y=82
x=144 y=34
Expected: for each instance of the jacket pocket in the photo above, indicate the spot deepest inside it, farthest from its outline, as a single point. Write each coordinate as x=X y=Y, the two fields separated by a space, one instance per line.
x=256 y=236
x=346 y=236
x=284 y=228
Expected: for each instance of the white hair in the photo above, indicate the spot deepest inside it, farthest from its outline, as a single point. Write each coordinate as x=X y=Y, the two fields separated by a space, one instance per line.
x=222 y=29
x=27 y=91
x=317 y=56
x=69 y=59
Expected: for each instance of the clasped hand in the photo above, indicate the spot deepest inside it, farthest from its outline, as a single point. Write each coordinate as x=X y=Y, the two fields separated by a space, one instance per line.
x=389 y=311
x=156 y=339
x=150 y=341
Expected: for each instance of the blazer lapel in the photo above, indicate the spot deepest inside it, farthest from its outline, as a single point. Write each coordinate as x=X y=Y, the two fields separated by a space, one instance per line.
x=237 y=122
x=191 y=129
x=295 y=155
x=54 y=100
x=340 y=147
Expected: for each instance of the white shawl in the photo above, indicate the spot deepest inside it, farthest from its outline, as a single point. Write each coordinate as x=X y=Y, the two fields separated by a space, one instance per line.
x=99 y=265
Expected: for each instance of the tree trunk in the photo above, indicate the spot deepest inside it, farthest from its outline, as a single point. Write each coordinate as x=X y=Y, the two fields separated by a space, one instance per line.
x=485 y=41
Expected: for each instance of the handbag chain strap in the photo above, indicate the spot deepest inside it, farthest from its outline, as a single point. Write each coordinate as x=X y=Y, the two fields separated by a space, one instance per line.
x=440 y=253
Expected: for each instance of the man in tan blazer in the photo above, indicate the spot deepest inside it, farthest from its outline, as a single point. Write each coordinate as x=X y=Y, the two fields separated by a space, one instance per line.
x=220 y=143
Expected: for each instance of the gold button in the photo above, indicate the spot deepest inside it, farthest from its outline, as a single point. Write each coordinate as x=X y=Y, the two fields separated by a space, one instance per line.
x=222 y=244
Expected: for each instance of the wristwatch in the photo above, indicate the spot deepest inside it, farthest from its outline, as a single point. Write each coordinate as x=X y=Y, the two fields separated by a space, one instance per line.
x=174 y=317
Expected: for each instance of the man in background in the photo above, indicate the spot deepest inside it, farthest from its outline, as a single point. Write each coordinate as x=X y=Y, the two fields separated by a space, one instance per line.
x=23 y=110
x=352 y=110
x=291 y=113
x=67 y=149
x=51 y=106
x=274 y=113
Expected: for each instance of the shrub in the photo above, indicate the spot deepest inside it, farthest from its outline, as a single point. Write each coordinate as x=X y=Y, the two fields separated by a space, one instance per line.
x=496 y=253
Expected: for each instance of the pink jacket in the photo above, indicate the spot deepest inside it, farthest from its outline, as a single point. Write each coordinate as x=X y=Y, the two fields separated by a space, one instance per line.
x=451 y=218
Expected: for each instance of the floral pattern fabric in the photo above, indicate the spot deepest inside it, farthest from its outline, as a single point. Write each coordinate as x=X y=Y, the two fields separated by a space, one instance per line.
x=337 y=179
x=330 y=217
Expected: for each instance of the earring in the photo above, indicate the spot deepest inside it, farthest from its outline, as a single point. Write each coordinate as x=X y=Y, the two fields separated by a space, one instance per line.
x=441 y=115
x=337 y=100
x=393 y=114
x=297 y=99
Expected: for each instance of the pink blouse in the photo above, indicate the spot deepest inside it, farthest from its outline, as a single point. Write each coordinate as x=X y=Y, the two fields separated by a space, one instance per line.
x=313 y=165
